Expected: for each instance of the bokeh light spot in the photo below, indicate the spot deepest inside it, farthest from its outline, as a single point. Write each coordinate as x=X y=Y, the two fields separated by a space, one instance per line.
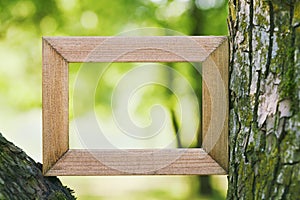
x=23 y=9
x=89 y=19
x=48 y=25
x=205 y=5
x=66 y=5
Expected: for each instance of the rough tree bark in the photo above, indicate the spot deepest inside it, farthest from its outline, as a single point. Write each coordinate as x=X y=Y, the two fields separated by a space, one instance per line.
x=264 y=99
x=21 y=177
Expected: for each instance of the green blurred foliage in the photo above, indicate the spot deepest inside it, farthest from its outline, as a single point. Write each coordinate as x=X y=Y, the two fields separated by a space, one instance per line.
x=24 y=22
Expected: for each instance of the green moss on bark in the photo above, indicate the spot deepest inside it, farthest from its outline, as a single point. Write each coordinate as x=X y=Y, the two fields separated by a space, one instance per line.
x=22 y=178
x=264 y=100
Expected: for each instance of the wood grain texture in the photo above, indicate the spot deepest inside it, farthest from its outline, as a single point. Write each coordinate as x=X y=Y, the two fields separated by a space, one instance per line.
x=55 y=106
x=215 y=105
x=136 y=162
x=135 y=49
x=59 y=51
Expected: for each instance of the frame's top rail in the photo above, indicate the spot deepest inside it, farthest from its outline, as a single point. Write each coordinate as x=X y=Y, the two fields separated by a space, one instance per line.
x=136 y=49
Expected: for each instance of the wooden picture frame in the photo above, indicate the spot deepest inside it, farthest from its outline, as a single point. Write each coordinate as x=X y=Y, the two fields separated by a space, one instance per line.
x=58 y=52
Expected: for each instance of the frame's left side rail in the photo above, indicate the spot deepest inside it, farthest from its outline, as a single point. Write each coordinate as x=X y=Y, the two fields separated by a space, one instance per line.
x=55 y=99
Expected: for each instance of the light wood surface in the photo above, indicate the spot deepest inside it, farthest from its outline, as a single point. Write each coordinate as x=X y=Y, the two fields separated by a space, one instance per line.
x=55 y=106
x=215 y=105
x=135 y=49
x=136 y=162
x=58 y=52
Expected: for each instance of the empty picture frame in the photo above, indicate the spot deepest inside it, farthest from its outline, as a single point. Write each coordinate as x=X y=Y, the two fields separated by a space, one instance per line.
x=212 y=158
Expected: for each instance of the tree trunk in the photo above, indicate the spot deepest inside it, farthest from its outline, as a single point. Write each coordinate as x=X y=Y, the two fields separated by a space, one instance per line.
x=264 y=99
x=21 y=177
